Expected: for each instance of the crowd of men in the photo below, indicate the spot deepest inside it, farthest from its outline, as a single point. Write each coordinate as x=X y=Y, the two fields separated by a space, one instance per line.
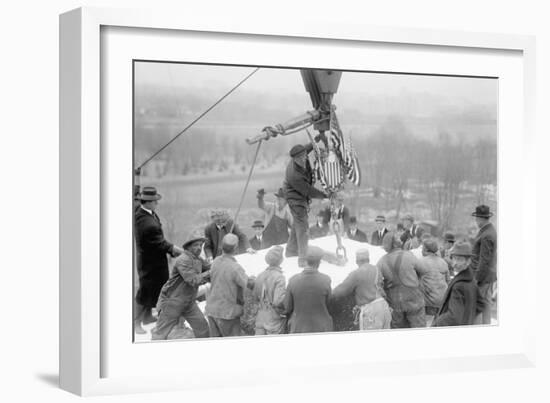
x=446 y=286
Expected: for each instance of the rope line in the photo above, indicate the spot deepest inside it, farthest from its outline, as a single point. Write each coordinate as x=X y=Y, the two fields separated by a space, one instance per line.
x=198 y=118
x=246 y=185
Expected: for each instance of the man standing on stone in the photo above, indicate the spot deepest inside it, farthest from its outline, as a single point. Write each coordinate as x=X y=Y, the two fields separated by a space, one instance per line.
x=152 y=263
x=178 y=296
x=214 y=232
x=225 y=301
x=484 y=258
x=277 y=218
x=299 y=190
x=365 y=283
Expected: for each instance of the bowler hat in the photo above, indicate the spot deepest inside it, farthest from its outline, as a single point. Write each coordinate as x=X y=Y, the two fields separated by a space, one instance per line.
x=461 y=249
x=449 y=237
x=482 y=211
x=280 y=193
x=380 y=218
x=149 y=193
x=297 y=150
x=196 y=235
x=258 y=224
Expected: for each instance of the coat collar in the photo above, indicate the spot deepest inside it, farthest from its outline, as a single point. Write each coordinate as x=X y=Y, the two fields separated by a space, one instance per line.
x=465 y=275
x=310 y=270
x=486 y=227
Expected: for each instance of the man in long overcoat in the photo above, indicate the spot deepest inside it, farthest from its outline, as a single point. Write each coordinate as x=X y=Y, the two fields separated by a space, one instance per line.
x=307 y=297
x=214 y=232
x=152 y=262
x=462 y=301
x=484 y=258
x=299 y=190
x=178 y=295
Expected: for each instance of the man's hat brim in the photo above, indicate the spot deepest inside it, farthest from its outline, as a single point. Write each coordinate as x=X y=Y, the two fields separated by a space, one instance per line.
x=190 y=241
x=474 y=214
x=150 y=197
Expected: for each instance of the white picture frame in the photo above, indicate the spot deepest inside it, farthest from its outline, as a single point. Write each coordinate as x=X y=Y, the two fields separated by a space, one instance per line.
x=86 y=184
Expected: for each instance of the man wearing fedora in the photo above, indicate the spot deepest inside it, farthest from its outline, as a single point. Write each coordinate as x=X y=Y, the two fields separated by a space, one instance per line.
x=484 y=258
x=299 y=190
x=319 y=229
x=152 y=263
x=381 y=230
x=179 y=294
x=257 y=242
x=214 y=232
x=277 y=218
x=460 y=302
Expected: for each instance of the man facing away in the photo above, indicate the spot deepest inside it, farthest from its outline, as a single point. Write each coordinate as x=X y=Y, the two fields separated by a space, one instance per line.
x=269 y=291
x=484 y=258
x=225 y=301
x=277 y=218
x=434 y=281
x=462 y=301
x=178 y=296
x=152 y=263
x=380 y=232
x=299 y=190
x=214 y=232
x=366 y=285
x=307 y=297
x=401 y=271
x=355 y=233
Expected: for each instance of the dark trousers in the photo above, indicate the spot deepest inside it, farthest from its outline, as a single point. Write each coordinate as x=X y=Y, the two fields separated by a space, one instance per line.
x=406 y=319
x=224 y=327
x=486 y=294
x=297 y=242
x=169 y=316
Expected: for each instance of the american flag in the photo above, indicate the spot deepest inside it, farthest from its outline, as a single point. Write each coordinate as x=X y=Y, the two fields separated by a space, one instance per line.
x=346 y=152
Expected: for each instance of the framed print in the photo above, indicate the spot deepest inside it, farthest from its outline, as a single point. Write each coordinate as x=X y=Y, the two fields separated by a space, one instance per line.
x=186 y=120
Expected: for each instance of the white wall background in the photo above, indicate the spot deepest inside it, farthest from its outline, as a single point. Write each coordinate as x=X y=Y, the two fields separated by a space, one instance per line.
x=29 y=172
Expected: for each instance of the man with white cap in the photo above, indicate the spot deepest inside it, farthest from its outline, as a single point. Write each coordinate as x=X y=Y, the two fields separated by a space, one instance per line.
x=307 y=297
x=225 y=301
x=152 y=262
x=299 y=190
x=269 y=291
x=178 y=296
x=365 y=283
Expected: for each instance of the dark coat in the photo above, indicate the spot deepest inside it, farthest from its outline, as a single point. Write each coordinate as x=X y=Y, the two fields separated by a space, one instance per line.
x=375 y=238
x=212 y=245
x=359 y=236
x=306 y=302
x=152 y=262
x=317 y=232
x=484 y=255
x=298 y=185
x=344 y=215
x=409 y=234
x=256 y=244
x=460 y=303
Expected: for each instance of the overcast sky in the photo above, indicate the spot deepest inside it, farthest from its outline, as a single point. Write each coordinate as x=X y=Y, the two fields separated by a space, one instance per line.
x=222 y=78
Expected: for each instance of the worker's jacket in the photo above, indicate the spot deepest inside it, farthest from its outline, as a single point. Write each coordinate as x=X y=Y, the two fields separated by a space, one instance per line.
x=298 y=185
x=269 y=291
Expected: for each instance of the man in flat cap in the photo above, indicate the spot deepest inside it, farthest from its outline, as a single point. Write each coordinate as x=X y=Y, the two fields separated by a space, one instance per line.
x=484 y=258
x=355 y=233
x=214 y=232
x=152 y=262
x=365 y=283
x=299 y=190
x=462 y=300
x=178 y=296
x=277 y=218
x=269 y=291
x=381 y=230
x=257 y=242
x=434 y=282
x=307 y=297
x=225 y=301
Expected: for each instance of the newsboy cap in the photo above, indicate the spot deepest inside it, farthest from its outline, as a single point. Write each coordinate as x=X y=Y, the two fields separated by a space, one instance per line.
x=230 y=240
x=297 y=150
x=196 y=235
x=274 y=256
x=430 y=245
x=314 y=253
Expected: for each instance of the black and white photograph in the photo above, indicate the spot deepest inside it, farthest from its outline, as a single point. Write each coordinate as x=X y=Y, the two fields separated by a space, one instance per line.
x=277 y=200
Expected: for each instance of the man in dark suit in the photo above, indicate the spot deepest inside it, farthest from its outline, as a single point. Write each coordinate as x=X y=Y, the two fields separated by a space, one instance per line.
x=381 y=230
x=299 y=190
x=257 y=242
x=214 y=232
x=462 y=298
x=484 y=258
x=152 y=263
x=410 y=231
x=320 y=229
x=355 y=233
